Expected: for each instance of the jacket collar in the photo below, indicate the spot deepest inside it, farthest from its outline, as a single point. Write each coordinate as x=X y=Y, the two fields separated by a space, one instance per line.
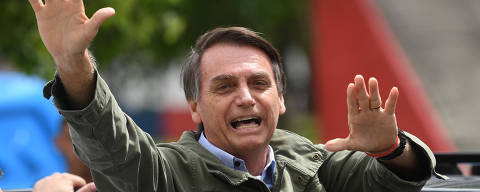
x=291 y=150
x=297 y=151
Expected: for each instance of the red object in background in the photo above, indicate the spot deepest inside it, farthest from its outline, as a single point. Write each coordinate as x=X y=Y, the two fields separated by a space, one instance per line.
x=349 y=38
x=175 y=121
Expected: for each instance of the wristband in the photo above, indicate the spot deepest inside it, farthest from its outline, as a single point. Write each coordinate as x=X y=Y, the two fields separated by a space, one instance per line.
x=395 y=151
x=387 y=152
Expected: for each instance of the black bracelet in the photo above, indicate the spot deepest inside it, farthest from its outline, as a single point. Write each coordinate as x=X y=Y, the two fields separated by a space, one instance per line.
x=399 y=150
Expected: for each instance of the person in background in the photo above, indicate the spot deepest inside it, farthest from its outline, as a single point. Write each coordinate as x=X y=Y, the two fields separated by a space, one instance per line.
x=36 y=141
x=64 y=144
x=28 y=128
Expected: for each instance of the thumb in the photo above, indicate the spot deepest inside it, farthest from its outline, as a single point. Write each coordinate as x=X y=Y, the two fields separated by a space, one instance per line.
x=100 y=16
x=337 y=144
x=90 y=187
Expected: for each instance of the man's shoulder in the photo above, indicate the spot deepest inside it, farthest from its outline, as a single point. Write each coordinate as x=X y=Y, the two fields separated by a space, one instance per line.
x=297 y=151
x=186 y=148
x=285 y=138
x=185 y=143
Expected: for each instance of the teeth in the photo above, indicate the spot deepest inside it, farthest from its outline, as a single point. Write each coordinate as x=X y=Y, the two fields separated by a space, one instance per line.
x=245 y=122
x=244 y=119
x=243 y=125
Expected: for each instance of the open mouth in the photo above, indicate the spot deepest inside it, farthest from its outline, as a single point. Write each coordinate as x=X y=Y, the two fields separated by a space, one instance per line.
x=246 y=122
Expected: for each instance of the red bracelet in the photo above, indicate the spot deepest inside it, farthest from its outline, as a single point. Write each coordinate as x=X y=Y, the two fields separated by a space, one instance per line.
x=387 y=152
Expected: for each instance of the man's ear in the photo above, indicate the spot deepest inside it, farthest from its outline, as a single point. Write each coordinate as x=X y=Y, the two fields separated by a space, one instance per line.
x=193 y=105
x=282 y=104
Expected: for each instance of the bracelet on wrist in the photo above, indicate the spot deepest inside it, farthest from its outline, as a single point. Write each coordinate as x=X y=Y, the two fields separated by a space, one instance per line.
x=393 y=152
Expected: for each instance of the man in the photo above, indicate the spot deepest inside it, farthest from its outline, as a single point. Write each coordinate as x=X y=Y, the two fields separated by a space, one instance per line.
x=234 y=84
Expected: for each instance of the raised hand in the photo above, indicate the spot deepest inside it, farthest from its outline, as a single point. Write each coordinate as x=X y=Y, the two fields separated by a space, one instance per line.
x=372 y=128
x=64 y=28
x=66 y=32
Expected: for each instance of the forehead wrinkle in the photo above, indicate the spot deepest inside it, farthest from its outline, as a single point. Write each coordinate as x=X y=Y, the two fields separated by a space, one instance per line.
x=223 y=53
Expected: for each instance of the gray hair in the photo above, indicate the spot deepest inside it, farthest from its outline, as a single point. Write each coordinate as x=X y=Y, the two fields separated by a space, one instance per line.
x=191 y=76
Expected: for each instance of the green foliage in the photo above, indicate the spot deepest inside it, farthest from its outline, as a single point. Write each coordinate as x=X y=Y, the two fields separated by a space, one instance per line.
x=161 y=29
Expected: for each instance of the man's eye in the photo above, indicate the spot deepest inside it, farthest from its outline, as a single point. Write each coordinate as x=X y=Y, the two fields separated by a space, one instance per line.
x=261 y=83
x=221 y=88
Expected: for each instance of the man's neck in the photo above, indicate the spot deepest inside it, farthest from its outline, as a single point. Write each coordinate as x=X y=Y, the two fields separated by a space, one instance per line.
x=255 y=160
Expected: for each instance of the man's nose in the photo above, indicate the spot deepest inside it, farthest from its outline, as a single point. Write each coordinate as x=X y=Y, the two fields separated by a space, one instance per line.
x=245 y=98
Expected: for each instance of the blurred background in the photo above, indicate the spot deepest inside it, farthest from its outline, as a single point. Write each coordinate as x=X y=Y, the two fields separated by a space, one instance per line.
x=429 y=49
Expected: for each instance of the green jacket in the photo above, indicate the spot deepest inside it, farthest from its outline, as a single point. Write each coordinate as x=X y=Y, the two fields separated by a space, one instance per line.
x=124 y=158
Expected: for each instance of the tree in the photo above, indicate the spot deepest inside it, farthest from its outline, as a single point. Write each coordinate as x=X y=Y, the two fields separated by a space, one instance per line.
x=160 y=30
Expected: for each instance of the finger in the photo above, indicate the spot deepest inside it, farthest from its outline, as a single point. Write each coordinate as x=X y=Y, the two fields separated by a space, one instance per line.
x=76 y=180
x=88 y=188
x=99 y=17
x=337 y=144
x=375 y=100
x=391 y=102
x=39 y=184
x=47 y=2
x=351 y=99
x=361 y=92
x=36 y=5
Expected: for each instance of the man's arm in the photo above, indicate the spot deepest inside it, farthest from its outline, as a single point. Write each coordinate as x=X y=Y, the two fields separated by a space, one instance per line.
x=411 y=165
x=66 y=32
x=374 y=129
x=356 y=171
x=119 y=154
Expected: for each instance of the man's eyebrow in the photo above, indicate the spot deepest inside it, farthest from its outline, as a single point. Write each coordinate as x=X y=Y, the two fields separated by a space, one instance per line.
x=222 y=77
x=260 y=75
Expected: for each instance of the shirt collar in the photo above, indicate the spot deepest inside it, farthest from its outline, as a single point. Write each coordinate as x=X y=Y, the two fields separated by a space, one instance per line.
x=239 y=164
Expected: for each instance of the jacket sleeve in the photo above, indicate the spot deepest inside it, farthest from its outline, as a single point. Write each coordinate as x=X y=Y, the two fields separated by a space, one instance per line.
x=356 y=171
x=119 y=154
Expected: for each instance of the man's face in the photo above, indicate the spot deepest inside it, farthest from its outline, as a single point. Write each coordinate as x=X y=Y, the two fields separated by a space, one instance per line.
x=239 y=102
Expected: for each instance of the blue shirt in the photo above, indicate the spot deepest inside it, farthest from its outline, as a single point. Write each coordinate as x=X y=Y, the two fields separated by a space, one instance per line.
x=239 y=164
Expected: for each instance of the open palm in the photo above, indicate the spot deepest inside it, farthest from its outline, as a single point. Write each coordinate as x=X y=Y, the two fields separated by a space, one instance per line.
x=64 y=28
x=372 y=128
